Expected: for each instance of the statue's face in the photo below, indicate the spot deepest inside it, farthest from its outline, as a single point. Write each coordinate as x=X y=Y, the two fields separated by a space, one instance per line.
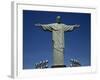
x=58 y=19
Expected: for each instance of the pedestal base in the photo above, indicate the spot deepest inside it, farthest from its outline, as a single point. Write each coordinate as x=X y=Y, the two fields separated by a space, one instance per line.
x=58 y=66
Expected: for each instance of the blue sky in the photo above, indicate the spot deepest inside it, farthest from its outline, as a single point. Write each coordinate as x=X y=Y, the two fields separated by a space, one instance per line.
x=37 y=43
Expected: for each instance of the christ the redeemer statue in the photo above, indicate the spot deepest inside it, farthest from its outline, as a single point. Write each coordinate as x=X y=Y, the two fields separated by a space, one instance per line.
x=58 y=30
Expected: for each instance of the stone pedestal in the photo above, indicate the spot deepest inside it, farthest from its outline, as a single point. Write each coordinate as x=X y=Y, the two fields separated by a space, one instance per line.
x=58 y=66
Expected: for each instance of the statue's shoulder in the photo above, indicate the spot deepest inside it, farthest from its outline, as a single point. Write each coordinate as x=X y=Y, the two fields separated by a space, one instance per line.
x=63 y=24
x=53 y=23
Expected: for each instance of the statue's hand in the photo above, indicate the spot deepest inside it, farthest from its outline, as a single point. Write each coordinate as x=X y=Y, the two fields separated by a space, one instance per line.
x=38 y=24
x=76 y=25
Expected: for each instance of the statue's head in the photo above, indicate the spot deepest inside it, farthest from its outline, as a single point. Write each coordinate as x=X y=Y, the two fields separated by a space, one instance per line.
x=58 y=19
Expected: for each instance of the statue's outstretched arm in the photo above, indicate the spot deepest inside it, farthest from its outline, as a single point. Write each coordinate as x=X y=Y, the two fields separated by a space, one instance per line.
x=45 y=26
x=70 y=27
x=76 y=25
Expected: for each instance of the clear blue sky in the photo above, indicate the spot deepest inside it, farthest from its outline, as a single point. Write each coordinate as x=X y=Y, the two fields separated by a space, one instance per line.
x=37 y=43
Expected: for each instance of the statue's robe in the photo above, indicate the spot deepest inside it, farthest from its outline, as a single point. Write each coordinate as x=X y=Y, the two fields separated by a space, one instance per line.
x=58 y=40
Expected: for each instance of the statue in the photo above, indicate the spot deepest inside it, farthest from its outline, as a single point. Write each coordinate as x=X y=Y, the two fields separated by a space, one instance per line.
x=58 y=30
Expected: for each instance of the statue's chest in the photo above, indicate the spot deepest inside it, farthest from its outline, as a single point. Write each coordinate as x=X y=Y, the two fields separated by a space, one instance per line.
x=58 y=31
x=57 y=27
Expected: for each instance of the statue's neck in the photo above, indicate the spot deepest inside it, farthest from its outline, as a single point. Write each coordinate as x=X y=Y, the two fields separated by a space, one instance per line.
x=58 y=22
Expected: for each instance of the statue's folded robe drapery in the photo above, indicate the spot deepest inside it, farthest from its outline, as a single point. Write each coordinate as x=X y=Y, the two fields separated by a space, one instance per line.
x=58 y=33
